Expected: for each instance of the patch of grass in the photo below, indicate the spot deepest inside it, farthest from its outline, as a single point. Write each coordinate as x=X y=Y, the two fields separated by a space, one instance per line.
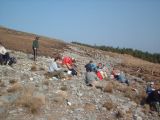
x=134 y=96
x=146 y=108
x=2 y=84
x=64 y=88
x=13 y=81
x=109 y=87
x=31 y=102
x=109 y=105
x=46 y=82
x=15 y=87
x=34 y=68
x=41 y=68
x=89 y=107
x=119 y=114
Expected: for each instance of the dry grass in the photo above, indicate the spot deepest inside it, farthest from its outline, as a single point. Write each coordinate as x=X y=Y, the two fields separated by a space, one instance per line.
x=31 y=102
x=13 y=81
x=139 y=97
x=89 y=107
x=109 y=105
x=109 y=87
x=15 y=87
x=22 y=41
x=2 y=84
x=120 y=114
x=33 y=68
x=46 y=82
x=146 y=108
x=64 y=88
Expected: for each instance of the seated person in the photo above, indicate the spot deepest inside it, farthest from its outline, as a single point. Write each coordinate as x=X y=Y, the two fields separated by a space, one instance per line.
x=92 y=80
x=68 y=63
x=4 y=56
x=54 y=70
x=101 y=68
x=120 y=76
x=150 y=88
x=90 y=66
x=153 y=100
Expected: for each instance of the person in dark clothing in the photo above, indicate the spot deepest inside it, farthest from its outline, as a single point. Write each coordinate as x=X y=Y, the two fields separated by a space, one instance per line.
x=153 y=100
x=90 y=66
x=35 y=46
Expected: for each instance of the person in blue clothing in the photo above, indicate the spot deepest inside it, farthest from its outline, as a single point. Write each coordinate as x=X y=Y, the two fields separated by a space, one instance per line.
x=90 y=66
x=150 y=88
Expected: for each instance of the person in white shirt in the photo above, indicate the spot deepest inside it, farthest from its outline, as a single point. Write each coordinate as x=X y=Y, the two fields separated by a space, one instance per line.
x=4 y=55
x=54 y=70
x=3 y=51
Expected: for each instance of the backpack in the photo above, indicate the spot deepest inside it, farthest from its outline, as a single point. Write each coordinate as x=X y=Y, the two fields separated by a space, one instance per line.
x=12 y=60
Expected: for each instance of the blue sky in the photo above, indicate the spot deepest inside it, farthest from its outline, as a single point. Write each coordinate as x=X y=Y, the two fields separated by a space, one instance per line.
x=124 y=23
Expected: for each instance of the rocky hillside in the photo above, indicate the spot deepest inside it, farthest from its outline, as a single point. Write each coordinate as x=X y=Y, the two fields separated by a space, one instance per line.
x=27 y=94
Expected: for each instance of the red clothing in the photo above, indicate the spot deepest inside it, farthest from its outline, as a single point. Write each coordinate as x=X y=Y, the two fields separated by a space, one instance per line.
x=99 y=75
x=67 y=60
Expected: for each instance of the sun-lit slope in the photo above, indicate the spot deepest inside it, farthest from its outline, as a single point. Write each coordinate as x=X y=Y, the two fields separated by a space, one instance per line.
x=22 y=41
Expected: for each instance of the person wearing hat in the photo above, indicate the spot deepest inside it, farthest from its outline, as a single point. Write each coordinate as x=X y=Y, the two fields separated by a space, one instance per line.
x=35 y=46
x=150 y=88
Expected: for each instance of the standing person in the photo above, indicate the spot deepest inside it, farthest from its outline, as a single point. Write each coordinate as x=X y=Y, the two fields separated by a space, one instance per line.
x=35 y=46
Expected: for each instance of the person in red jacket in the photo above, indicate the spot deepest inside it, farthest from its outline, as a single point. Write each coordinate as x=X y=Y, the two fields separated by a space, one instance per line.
x=68 y=62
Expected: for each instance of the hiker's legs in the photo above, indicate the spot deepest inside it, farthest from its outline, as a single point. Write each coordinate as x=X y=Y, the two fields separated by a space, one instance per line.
x=34 y=53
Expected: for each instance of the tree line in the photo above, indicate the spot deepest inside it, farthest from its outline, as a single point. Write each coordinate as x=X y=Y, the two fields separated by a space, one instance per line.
x=155 y=57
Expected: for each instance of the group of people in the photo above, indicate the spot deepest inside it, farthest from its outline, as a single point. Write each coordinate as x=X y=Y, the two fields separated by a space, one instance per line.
x=62 y=68
x=65 y=67
x=99 y=72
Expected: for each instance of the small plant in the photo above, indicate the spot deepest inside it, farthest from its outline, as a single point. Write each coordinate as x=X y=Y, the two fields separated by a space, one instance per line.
x=41 y=68
x=108 y=105
x=64 y=88
x=15 y=87
x=33 y=68
x=46 y=82
x=13 y=81
x=146 y=108
x=2 y=84
x=119 y=114
x=31 y=102
x=109 y=88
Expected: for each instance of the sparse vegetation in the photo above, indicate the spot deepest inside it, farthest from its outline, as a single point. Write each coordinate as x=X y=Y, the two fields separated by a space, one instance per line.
x=109 y=105
x=146 y=108
x=155 y=58
x=15 y=87
x=119 y=114
x=109 y=87
x=48 y=46
x=46 y=82
x=64 y=88
x=139 y=97
x=30 y=101
x=13 y=81
x=33 y=68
